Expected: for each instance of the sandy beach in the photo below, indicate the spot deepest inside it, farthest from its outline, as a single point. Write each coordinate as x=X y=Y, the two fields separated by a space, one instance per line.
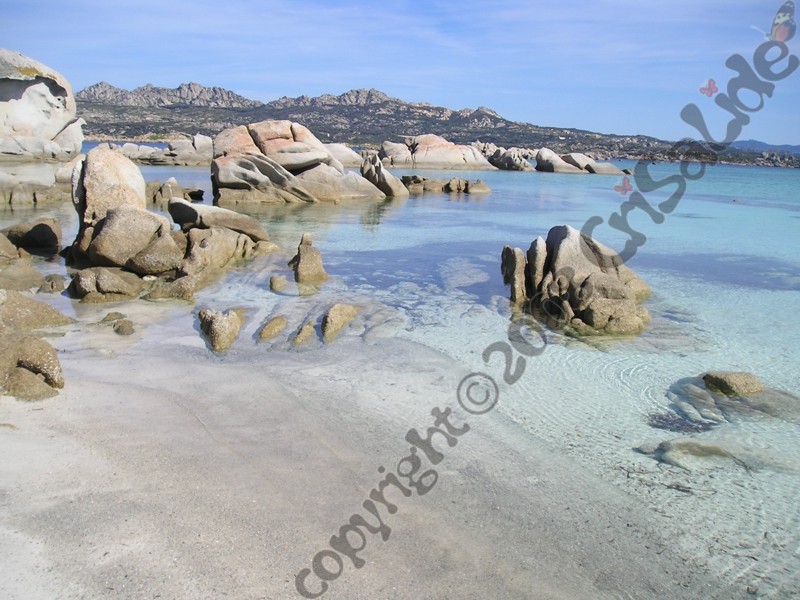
x=163 y=471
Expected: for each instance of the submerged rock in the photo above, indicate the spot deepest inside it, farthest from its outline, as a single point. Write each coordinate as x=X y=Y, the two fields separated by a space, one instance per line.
x=733 y=383
x=720 y=397
x=421 y=185
x=692 y=454
x=306 y=333
x=102 y=284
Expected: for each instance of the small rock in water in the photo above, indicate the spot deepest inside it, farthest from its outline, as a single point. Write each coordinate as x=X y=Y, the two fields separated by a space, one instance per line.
x=221 y=329
x=307 y=263
x=336 y=319
x=123 y=327
x=733 y=383
x=278 y=283
x=273 y=327
x=305 y=334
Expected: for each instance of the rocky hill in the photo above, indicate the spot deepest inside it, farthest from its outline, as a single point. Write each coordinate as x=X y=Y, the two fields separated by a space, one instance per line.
x=149 y=96
x=361 y=118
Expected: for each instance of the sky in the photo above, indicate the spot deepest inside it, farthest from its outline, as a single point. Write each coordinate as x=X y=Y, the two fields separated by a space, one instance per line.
x=624 y=66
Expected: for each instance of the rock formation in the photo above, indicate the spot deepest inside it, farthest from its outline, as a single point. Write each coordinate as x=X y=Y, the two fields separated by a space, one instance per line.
x=29 y=366
x=432 y=152
x=570 y=279
x=589 y=165
x=372 y=170
x=550 y=162
x=186 y=94
x=337 y=318
x=37 y=111
x=307 y=263
x=121 y=241
x=221 y=328
x=420 y=185
x=718 y=397
x=345 y=155
x=280 y=161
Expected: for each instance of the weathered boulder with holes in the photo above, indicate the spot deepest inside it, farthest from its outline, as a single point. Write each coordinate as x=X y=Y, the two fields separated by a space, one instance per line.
x=572 y=280
x=37 y=111
x=432 y=152
x=280 y=162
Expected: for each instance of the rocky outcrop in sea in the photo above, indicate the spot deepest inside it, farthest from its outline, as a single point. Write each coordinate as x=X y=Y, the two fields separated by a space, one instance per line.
x=570 y=280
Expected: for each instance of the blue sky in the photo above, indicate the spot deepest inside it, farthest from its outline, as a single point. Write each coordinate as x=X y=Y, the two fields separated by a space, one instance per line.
x=622 y=66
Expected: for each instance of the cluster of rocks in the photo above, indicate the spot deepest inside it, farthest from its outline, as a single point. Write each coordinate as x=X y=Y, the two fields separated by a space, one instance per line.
x=507 y=159
x=187 y=152
x=432 y=152
x=280 y=162
x=29 y=366
x=574 y=281
x=123 y=250
x=221 y=328
x=421 y=185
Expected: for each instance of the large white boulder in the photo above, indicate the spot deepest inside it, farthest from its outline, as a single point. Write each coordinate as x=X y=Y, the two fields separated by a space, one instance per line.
x=37 y=111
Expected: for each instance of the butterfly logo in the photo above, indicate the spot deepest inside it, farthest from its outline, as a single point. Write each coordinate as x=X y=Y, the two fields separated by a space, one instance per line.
x=710 y=89
x=783 y=25
x=625 y=188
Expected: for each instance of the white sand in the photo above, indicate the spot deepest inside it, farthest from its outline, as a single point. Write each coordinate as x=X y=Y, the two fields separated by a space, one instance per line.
x=163 y=471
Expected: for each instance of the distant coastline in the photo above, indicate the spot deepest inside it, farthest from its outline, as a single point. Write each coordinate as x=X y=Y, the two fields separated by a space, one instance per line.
x=364 y=119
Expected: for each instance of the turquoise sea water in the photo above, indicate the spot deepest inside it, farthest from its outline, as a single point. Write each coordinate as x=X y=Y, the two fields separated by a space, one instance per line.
x=724 y=268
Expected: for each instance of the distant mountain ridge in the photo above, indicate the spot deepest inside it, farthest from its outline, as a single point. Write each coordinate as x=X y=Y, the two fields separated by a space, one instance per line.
x=359 y=117
x=186 y=94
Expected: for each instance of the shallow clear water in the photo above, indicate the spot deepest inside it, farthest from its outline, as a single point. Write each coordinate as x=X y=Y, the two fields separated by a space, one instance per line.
x=724 y=268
